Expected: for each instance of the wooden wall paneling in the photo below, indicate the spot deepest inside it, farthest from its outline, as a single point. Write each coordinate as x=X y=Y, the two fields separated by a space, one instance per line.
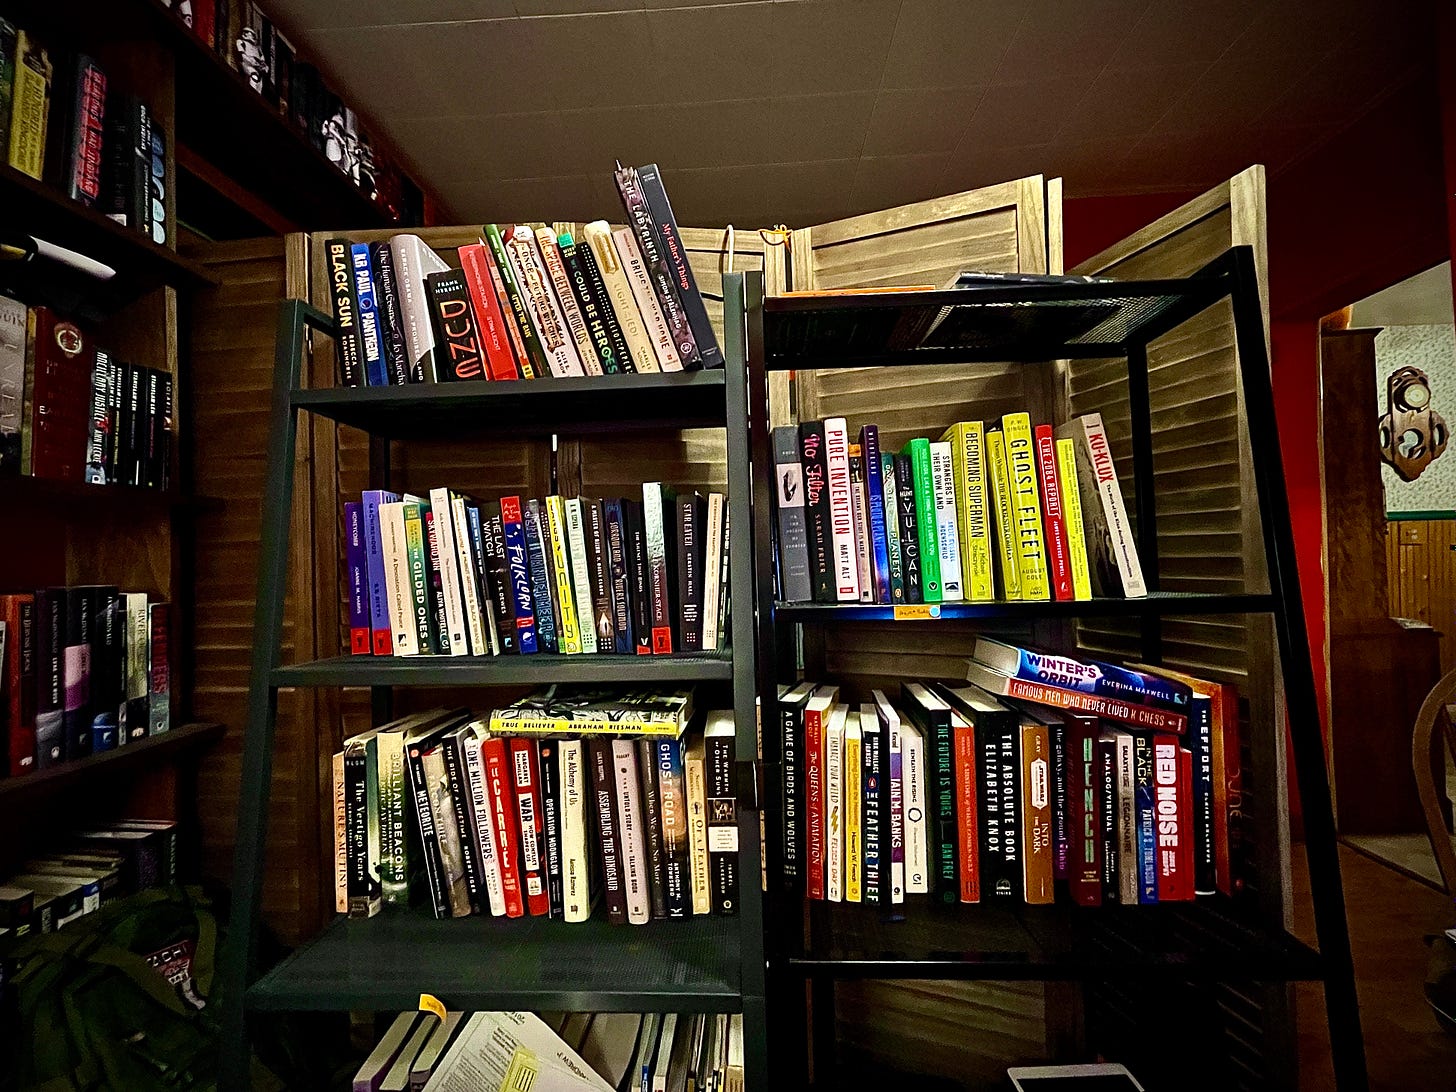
x=1421 y=563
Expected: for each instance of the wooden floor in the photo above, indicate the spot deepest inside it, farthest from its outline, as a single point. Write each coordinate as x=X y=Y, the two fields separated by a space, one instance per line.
x=1390 y=915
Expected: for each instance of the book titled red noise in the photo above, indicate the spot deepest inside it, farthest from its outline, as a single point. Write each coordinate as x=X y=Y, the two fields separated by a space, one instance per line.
x=1172 y=778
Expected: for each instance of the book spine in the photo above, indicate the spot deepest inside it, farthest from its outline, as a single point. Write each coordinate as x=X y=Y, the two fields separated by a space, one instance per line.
x=879 y=543
x=635 y=270
x=675 y=255
x=7 y=80
x=789 y=513
x=690 y=558
x=576 y=871
x=490 y=619
x=381 y=641
x=1228 y=797
x=1003 y=511
x=18 y=682
x=497 y=576
x=1146 y=820
x=652 y=828
x=550 y=770
x=1054 y=520
x=603 y=775
x=894 y=810
x=874 y=820
x=460 y=800
x=650 y=245
x=620 y=359
x=917 y=853
x=500 y=782
x=623 y=636
x=341 y=836
x=83 y=154
x=483 y=832
x=656 y=515
x=101 y=383
x=1090 y=677
x=890 y=502
x=618 y=289
x=537 y=560
x=714 y=573
x=1128 y=850
x=495 y=338
x=639 y=575
x=356 y=821
x=138 y=679
x=31 y=106
x=860 y=504
x=722 y=802
x=948 y=543
x=580 y=575
x=347 y=346
x=673 y=807
x=412 y=262
x=526 y=772
x=814 y=800
x=1202 y=833
x=843 y=558
x=417 y=576
x=1107 y=818
x=459 y=348
x=628 y=789
x=1174 y=881
x=940 y=738
x=1076 y=528
x=852 y=786
x=834 y=811
x=569 y=638
x=967 y=812
x=816 y=510
x=393 y=855
x=1036 y=813
x=375 y=369
x=571 y=312
x=535 y=355
x=997 y=880
x=603 y=345
x=1061 y=799
x=446 y=577
x=968 y=459
x=519 y=575
x=604 y=614
x=1097 y=476
x=391 y=318
x=466 y=570
x=425 y=827
x=77 y=671
x=525 y=362
x=359 y=632
x=923 y=479
x=1138 y=716
x=695 y=782
x=543 y=310
x=1008 y=764
x=911 y=561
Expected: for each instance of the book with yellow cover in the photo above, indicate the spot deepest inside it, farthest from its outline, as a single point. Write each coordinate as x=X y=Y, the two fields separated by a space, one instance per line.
x=570 y=633
x=595 y=710
x=1072 y=509
x=1001 y=512
x=1030 y=538
x=968 y=463
x=30 y=105
x=853 y=806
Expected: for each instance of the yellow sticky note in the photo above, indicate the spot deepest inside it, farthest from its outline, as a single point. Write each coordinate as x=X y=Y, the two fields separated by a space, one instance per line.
x=430 y=1003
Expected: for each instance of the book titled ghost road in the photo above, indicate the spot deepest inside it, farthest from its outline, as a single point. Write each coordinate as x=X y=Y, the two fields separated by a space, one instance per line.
x=595 y=710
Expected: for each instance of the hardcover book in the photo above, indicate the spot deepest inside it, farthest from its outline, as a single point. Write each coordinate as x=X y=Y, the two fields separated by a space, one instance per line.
x=911 y=561
x=566 y=300
x=652 y=826
x=348 y=345
x=18 y=662
x=30 y=105
x=843 y=559
x=604 y=795
x=599 y=562
x=538 y=555
x=595 y=710
x=943 y=484
x=834 y=804
x=518 y=574
x=853 y=782
x=695 y=782
x=593 y=283
x=532 y=357
x=1008 y=565
x=675 y=254
x=495 y=336
x=890 y=502
x=653 y=322
x=650 y=245
x=601 y=329
x=722 y=804
x=879 y=541
x=391 y=317
x=526 y=770
x=13 y=322
x=580 y=574
x=673 y=808
x=614 y=512
x=791 y=703
x=893 y=800
x=569 y=633
x=789 y=513
x=460 y=353
x=609 y=268
x=916 y=803
x=413 y=262
x=81 y=140
x=1030 y=537
x=578 y=888
x=60 y=397
x=550 y=769
x=1112 y=550
x=658 y=506
x=370 y=342
x=631 y=823
x=1086 y=676
x=691 y=519
x=933 y=717
x=1076 y=526
x=820 y=544
x=542 y=307
x=1053 y=510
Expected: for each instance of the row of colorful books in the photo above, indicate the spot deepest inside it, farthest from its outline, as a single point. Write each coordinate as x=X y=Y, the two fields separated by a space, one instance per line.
x=94 y=866
x=447 y=575
x=71 y=411
x=967 y=794
x=82 y=670
x=511 y=813
x=526 y=302
x=1006 y=511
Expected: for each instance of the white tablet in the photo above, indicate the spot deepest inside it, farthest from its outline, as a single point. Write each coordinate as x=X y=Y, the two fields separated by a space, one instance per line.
x=1102 y=1077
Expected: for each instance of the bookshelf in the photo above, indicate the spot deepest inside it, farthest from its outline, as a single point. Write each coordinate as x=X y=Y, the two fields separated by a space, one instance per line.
x=1210 y=943
x=702 y=964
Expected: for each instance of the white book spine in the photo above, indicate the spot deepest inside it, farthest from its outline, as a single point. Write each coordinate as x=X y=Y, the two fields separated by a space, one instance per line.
x=859 y=501
x=581 y=586
x=397 y=579
x=619 y=294
x=545 y=311
x=1127 y=828
x=634 y=843
x=892 y=847
x=444 y=519
x=942 y=474
x=412 y=260
x=474 y=618
x=917 y=852
x=575 y=864
x=484 y=833
x=712 y=571
x=844 y=563
x=834 y=808
x=658 y=331
x=694 y=776
x=1094 y=438
x=566 y=301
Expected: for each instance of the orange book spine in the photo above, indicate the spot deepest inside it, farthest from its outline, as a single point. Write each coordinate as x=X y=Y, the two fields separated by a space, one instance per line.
x=499 y=357
x=967 y=811
x=1036 y=810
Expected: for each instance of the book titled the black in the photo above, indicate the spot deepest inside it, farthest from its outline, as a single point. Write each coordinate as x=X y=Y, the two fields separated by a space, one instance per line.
x=604 y=795
x=639 y=580
x=391 y=318
x=722 y=801
x=692 y=519
x=816 y=510
x=498 y=574
x=598 y=563
x=652 y=820
x=419 y=790
x=674 y=252
x=451 y=749
x=909 y=528
x=456 y=331
x=551 y=798
x=347 y=346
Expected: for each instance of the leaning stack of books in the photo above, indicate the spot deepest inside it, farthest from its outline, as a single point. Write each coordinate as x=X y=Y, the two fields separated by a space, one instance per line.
x=82 y=670
x=1116 y=784
x=539 y=807
x=447 y=575
x=526 y=302
x=1006 y=511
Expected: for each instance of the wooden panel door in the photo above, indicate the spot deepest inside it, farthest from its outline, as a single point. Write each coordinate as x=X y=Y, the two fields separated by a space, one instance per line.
x=1421 y=563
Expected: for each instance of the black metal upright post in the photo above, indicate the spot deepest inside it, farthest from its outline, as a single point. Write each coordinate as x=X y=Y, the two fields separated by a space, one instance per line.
x=1321 y=850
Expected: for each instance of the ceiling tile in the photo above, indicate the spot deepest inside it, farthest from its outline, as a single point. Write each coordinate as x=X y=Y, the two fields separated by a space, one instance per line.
x=990 y=165
x=590 y=60
x=911 y=121
x=1016 y=115
x=887 y=181
x=1191 y=34
x=539 y=9
x=301 y=15
x=729 y=49
x=950 y=43
x=1067 y=37
x=831 y=45
x=1121 y=103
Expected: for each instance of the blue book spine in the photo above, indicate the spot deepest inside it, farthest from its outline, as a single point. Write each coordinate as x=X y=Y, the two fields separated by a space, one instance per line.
x=1147 y=834
x=1200 y=744
x=624 y=639
x=872 y=821
x=889 y=512
x=869 y=442
x=1104 y=680
x=540 y=576
x=519 y=571
x=374 y=564
x=360 y=642
x=375 y=369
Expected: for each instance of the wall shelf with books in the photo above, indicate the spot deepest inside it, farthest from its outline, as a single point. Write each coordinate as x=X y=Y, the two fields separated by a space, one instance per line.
x=506 y=670
x=1154 y=603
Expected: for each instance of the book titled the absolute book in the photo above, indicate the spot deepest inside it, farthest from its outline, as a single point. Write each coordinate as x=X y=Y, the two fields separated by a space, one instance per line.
x=843 y=560
x=722 y=804
x=793 y=543
x=1113 y=555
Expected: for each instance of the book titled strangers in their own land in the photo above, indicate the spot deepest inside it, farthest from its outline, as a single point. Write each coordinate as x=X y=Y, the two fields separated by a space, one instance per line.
x=596 y=710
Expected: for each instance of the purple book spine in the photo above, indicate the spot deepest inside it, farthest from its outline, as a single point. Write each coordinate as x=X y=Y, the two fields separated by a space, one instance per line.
x=360 y=640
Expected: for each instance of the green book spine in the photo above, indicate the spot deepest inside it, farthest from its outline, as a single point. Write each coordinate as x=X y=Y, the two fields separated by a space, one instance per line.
x=892 y=528
x=919 y=452
x=7 y=78
x=517 y=302
x=393 y=867
x=414 y=541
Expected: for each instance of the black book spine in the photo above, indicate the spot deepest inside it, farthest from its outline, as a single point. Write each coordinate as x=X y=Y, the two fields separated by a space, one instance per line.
x=639 y=579
x=111 y=440
x=604 y=796
x=909 y=528
x=391 y=324
x=141 y=164
x=497 y=574
x=664 y=287
x=347 y=346
x=652 y=828
x=1107 y=819
x=722 y=803
x=117 y=178
x=598 y=288
x=622 y=629
x=675 y=255
x=940 y=764
x=816 y=510
x=356 y=830
x=83 y=124
x=77 y=671
x=791 y=726
x=600 y=575
x=995 y=881
x=102 y=379
x=50 y=705
x=434 y=870
x=691 y=517
x=871 y=821
x=102 y=709
x=1009 y=769
x=164 y=430
x=457 y=335
x=439 y=623
x=153 y=479
x=551 y=797
x=465 y=817
x=591 y=312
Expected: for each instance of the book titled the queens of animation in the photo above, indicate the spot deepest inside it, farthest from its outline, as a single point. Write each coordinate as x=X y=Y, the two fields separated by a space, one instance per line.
x=1084 y=676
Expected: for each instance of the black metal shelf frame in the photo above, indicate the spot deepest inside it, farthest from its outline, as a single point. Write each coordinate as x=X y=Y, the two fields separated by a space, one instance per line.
x=823 y=332
x=711 y=964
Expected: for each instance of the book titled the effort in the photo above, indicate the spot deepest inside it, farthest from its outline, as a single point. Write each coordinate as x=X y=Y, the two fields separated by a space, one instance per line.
x=596 y=710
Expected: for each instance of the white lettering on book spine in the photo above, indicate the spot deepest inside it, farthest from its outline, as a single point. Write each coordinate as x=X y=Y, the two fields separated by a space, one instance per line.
x=841 y=510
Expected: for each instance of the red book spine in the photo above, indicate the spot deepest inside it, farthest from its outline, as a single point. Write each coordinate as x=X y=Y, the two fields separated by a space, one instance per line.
x=967 y=812
x=1228 y=792
x=1084 y=864
x=533 y=832
x=17 y=680
x=1059 y=555
x=814 y=755
x=61 y=398
x=501 y=784
x=1147 y=717
x=500 y=359
x=513 y=332
x=1174 y=848
x=1185 y=819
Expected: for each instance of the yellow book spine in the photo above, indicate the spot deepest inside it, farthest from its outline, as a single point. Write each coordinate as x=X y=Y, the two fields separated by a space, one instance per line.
x=1026 y=506
x=853 y=845
x=550 y=726
x=1072 y=509
x=570 y=635
x=968 y=460
x=31 y=100
x=1001 y=508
